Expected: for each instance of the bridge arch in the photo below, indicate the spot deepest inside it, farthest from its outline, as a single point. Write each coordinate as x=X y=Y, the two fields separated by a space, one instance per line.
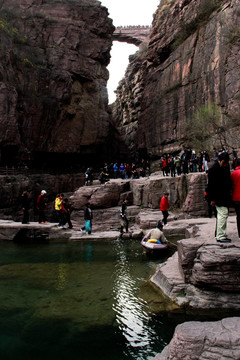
x=135 y=35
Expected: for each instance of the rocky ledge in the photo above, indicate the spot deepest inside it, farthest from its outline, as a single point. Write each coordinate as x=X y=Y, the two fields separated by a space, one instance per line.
x=208 y=340
x=203 y=274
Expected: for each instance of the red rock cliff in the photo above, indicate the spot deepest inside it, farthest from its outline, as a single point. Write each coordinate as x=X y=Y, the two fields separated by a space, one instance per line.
x=53 y=79
x=192 y=60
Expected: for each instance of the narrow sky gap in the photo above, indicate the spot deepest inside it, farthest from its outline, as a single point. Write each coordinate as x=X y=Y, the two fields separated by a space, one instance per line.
x=125 y=12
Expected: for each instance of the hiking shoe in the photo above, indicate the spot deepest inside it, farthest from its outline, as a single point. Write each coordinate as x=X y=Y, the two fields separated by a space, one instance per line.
x=225 y=240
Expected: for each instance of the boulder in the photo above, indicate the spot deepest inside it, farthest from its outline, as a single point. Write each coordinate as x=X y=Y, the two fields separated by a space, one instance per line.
x=217 y=267
x=204 y=340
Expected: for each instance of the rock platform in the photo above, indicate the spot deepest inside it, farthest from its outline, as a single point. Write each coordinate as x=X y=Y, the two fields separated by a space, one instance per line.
x=204 y=340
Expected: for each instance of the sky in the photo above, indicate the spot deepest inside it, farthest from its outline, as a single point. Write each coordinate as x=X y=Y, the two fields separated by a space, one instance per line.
x=125 y=12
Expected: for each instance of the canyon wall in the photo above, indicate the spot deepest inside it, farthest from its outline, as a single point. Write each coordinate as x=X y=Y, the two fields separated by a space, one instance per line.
x=53 y=76
x=191 y=61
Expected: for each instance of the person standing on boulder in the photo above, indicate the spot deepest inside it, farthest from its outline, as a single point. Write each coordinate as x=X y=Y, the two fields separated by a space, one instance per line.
x=219 y=192
x=235 y=177
x=164 y=206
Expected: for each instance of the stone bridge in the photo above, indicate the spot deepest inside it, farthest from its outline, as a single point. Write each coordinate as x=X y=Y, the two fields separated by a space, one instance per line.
x=132 y=34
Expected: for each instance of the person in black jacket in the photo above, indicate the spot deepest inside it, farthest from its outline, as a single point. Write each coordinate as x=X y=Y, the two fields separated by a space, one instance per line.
x=25 y=203
x=219 y=192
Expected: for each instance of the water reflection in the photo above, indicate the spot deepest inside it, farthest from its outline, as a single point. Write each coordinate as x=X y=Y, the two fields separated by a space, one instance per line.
x=60 y=299
x=131 y=314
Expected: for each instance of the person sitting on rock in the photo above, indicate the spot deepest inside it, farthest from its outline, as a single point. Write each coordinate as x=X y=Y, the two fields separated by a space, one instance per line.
x=156 y=234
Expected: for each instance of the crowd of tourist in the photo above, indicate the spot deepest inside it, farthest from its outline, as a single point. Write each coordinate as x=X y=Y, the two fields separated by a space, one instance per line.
x=188 y=161
x=119 y=171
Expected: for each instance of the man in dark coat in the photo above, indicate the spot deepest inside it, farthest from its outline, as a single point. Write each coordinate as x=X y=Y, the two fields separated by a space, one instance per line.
x=219 y=192
x=25 y=203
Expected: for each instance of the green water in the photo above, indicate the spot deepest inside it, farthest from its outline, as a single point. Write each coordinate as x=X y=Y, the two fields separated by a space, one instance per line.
x=82 y=300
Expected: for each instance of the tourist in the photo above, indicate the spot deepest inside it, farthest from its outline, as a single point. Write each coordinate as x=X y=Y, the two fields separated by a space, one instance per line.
x=184 y=161
x=128 y=171
x=41 y=205
x=103 y=177
x=66 y=211
x=122 y=170
x=205 y=160
x=123 y=217
x=177 y=163
x=215 y=155
x=156 y=234
x=58 y=209
x=88 y=176
x=115 y=170
x=172 y=166
x=88 y=216
x=219 y=191
x=200 y=161
x=25 y=203
x=194 y=161
x=235 y=177
x=148 y=168
x=164 y=206
x=164 y=166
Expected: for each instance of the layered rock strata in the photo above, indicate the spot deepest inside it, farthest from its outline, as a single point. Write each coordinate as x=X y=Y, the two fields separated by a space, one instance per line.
x=185 y=193
x=191 y=61
x=203 y=273
x=204 y=340
x=53 y=80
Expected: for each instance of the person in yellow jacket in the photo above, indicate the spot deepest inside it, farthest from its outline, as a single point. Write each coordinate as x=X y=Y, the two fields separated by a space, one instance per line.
x=58 y=209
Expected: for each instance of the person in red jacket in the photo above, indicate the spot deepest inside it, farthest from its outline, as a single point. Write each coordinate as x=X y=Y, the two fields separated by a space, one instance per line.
x=164 y=206
x=235 y=178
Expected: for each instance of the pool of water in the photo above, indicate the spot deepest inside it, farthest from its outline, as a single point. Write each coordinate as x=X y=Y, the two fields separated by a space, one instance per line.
x=82 y=300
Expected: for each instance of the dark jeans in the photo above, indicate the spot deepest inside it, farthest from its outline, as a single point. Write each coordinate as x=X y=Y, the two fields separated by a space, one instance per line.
x=237 y=209
x=25 y=219
x=42 y=217
x=59 y=217
x=66 y=219
x=165 y=216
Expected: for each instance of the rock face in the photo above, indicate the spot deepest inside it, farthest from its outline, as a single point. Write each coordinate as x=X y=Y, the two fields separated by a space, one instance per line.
x=192 y=60
x=207 y=340
x=12 y=187
x=53 y=80
x=203 y=273
x=145 y=193
x=210 y=266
